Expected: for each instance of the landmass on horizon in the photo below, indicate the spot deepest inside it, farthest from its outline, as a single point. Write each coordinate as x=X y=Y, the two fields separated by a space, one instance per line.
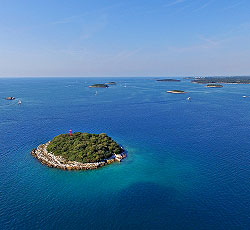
x=169 y=80
x=225 y=80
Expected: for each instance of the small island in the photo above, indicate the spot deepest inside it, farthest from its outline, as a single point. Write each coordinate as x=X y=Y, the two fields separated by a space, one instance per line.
x=214 y=86
x=79 y=151
x=110 y=83
x=10 y=98
x=99 y=86
x=176 y=91
x=169 y=80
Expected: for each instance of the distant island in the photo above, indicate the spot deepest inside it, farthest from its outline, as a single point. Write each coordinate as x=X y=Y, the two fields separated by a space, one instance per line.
x=110 y=83
x=226 y=80
x=169 y=80
x=176 y=91
x=99 y=86
x=214 y=86
x=10 y=98
x=79 y=151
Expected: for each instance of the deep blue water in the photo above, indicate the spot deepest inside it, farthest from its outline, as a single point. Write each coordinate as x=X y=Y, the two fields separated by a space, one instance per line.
x=188 y=164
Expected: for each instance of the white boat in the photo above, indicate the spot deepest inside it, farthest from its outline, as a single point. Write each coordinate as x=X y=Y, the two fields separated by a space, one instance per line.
x=244 y=96
x=189 y=98
x=19 y=102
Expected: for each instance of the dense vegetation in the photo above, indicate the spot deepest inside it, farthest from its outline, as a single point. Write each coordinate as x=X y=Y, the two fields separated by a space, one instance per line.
x=110 y=83
x=99 y=86
x=229 y=80
x=169 y=80
x=84 y=147
x=214 y=85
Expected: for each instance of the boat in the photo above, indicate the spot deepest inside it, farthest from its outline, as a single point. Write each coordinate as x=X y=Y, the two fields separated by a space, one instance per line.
x=189 y=98
x=19 y=102
x=10 y=98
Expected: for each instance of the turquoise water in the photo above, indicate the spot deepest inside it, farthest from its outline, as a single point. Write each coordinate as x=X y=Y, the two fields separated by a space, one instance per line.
x=188 y=164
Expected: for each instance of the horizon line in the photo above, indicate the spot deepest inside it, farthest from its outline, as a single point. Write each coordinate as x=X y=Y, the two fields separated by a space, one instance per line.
x=106 y=76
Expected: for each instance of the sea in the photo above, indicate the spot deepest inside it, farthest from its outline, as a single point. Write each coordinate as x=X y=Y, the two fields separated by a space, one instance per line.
x=187 y=165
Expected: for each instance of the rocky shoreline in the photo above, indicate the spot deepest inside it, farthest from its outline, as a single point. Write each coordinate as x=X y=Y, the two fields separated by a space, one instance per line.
x=176 y=91
x=53 y=161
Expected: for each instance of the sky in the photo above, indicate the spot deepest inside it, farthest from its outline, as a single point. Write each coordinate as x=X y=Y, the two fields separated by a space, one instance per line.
x=124 y=38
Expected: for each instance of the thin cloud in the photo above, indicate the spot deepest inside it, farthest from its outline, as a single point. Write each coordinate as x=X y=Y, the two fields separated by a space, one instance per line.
x=209 y=41
x=127 y=53
x=74 y=18
x=203 y=6
x=204 y=43
x=176 y=2
x=234 y=5
x=68 y=19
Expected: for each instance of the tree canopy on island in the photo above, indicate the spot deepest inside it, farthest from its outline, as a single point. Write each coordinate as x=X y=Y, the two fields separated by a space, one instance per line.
x=99 y=86
x=169 y=80
x=84 y=147
x=214 y=85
